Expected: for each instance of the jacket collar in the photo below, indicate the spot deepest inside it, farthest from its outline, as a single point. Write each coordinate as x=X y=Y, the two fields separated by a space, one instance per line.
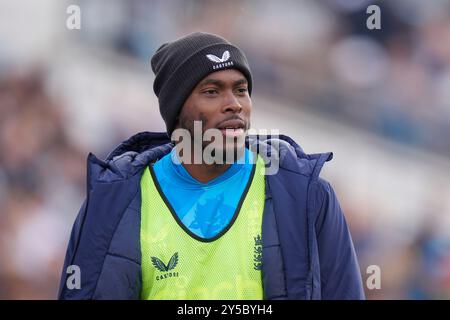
x=144 y=148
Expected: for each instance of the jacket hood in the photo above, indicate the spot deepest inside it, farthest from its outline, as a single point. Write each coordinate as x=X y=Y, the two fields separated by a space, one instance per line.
x=143 y=148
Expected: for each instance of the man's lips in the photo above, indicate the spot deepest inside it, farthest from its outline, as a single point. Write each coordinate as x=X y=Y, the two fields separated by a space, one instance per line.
x=232 y=124
x=232 y=127
x=233 y=132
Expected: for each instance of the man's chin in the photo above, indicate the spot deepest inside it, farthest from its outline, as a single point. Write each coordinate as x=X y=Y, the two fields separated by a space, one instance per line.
x=227 y=154
x=232 y=153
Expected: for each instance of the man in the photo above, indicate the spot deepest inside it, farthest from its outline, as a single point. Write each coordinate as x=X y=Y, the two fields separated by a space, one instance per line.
x=184 y=218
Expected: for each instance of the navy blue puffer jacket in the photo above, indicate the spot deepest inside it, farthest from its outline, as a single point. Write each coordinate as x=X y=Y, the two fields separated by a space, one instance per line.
x=307 y=248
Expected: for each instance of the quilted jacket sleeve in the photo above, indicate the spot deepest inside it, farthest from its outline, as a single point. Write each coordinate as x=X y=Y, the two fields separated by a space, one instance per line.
x=339 y=270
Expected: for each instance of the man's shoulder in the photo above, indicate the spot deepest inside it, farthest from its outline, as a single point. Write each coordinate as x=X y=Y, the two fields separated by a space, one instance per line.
x=283 y=155
x=129 y=158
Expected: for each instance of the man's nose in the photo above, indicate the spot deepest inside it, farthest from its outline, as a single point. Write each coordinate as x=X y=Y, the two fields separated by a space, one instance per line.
x=232 y=104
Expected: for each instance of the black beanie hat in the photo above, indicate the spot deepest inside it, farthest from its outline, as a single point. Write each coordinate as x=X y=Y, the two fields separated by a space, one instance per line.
x=180 y=65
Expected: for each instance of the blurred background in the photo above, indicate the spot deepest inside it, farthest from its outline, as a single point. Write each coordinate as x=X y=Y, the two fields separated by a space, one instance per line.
x=379 y=99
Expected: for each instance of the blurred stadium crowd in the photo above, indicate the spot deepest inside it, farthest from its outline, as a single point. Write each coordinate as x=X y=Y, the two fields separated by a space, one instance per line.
x=69 y=93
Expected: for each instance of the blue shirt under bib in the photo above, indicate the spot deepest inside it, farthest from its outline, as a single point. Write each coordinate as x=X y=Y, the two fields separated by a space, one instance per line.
x=204 y=208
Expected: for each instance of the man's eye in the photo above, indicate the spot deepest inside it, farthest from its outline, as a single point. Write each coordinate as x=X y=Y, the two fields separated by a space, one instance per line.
x=211 y=91
x=242 y=90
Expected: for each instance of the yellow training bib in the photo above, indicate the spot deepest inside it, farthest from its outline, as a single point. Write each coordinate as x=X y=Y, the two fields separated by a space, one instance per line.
x=176 y=265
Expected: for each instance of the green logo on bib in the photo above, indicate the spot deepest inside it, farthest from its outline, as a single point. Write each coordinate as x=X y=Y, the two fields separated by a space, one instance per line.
x=162 y=267
x=257 y=253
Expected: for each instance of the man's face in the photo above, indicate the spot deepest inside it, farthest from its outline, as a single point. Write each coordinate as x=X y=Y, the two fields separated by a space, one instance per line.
x=220 y=101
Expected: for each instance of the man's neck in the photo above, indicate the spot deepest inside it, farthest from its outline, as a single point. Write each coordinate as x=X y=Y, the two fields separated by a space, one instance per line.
x=205 y=172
